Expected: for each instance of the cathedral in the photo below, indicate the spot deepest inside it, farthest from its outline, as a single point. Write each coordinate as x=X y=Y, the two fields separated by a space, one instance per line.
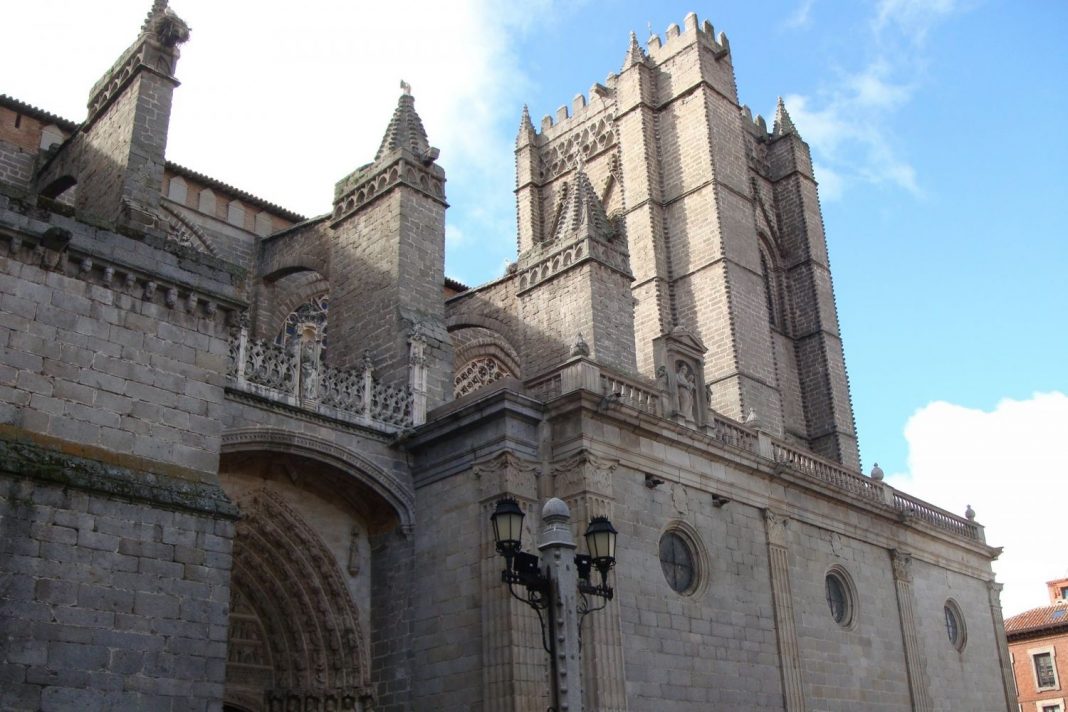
x=255 y=461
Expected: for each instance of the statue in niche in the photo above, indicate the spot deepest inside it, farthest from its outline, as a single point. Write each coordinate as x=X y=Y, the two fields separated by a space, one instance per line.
x=686 y=385
x=354 y=552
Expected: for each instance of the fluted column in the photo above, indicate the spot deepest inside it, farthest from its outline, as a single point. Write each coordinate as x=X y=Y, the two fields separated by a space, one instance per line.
x=783 y=602
x=919 y=687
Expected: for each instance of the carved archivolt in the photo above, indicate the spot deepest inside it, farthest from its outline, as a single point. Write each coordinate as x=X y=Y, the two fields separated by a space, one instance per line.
x=295 y=632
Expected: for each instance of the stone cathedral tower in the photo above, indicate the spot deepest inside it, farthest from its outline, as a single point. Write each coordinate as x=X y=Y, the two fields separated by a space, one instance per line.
x=724 y=230
x=248 y=458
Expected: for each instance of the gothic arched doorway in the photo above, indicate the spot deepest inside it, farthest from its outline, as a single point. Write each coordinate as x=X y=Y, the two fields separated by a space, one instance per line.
x=296 y=641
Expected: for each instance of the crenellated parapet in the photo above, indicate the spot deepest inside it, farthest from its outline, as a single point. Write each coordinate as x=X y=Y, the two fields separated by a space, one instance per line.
x=677 y=38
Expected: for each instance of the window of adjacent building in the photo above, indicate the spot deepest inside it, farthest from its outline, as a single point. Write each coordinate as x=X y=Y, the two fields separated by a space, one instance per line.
x=840 y=596
x=678 y=562
x=1054 y=705
x=955 y=629
x=1044 y=665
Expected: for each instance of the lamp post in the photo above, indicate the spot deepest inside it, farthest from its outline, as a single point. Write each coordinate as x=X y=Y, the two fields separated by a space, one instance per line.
x=562 y=589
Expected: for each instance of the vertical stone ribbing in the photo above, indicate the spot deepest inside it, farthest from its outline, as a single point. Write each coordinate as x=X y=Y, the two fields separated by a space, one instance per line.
x=1004 y=661
x=640 y=170
x=514 y=661
x=783 y=601
x=914 y=658
x=585 y=483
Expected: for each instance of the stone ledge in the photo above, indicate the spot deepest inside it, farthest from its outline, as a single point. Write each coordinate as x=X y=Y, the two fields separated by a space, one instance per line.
x=32 y=461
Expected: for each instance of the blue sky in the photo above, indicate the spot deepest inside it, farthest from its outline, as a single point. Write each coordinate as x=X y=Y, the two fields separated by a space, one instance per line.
x=935 y=125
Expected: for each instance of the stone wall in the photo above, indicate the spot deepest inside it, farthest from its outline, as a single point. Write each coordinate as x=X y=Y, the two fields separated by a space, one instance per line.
x=115 y=586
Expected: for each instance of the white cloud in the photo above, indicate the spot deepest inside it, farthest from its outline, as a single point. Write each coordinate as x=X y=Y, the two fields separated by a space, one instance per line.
x=285 y=100
x=915 y=17
x=801 y=17
x=848 y=143
x=848 y=124
x=1009 y=465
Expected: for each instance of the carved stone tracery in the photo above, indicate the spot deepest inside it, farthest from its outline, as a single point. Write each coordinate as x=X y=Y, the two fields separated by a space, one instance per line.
x=479 y=372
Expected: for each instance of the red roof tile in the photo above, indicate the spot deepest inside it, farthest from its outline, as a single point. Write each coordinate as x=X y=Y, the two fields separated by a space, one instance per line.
x=1038 y=619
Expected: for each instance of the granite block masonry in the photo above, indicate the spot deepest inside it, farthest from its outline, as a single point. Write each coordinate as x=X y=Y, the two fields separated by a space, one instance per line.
x=247 y=458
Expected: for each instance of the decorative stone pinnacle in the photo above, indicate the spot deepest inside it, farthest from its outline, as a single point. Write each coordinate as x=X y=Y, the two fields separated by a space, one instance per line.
x=969 y=513
x=582 y=214
x=406 y=88
x=406 y=132
x=156 y=11
x=168 y=28
x=783 y=123
x=635 y=55
x=526 y=128
x=876 y=472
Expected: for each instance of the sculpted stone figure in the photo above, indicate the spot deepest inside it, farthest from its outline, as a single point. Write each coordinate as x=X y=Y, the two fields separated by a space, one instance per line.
x=687 y=387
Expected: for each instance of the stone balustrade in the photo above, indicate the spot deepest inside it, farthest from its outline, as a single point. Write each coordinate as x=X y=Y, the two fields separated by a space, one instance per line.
x=298 y=378
x=582 y=373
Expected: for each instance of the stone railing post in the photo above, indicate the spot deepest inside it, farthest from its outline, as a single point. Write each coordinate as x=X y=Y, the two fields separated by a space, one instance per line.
x=417 y=372
x=242 y=347
x=765 y=448
x=557 y=548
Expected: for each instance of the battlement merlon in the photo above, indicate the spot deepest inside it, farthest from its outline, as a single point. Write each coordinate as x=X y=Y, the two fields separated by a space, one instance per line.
x=657 y=54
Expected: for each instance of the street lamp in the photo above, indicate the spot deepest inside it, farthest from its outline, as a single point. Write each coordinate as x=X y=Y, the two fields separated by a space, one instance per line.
x=562 y=591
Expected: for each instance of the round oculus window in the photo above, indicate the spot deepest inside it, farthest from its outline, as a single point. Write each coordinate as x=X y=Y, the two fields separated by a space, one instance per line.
x=678 y=562
x=839 y=598
x=954 y=625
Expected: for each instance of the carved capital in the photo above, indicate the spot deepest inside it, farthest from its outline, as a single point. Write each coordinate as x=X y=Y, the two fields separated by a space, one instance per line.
x=776 y=526
x=902 y=561
x=584 y=472
x=507 y=473
x=994 y=588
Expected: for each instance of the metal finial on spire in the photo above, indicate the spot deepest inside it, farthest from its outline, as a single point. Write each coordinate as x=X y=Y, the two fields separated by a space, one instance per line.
x=406 y=88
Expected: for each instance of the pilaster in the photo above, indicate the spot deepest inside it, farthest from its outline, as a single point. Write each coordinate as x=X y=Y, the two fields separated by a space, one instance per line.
x=914 y=657
x=584 y=482
x=1004 y=661
x=513 y=660
x=783 y=602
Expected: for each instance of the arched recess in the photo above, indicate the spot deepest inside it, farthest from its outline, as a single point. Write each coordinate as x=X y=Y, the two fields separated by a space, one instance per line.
x=482 y=356
x=398 y=495
x=281 y=293
x=771 y=273
x=295 y=635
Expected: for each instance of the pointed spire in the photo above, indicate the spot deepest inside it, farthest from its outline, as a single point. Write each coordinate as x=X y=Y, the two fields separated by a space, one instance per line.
x=526 y=129
x=159 y=8
x=582 y=214
x=406 y=132
x=634 y=53
x=783 y=124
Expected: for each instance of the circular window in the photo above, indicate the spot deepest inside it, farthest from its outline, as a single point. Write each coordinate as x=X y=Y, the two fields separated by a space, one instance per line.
x=840 y=597
x=678 y=562
x=955 y=630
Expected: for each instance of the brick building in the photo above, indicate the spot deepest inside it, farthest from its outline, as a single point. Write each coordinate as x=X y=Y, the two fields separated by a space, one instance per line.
x=249 y=458
x=1038 y=646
